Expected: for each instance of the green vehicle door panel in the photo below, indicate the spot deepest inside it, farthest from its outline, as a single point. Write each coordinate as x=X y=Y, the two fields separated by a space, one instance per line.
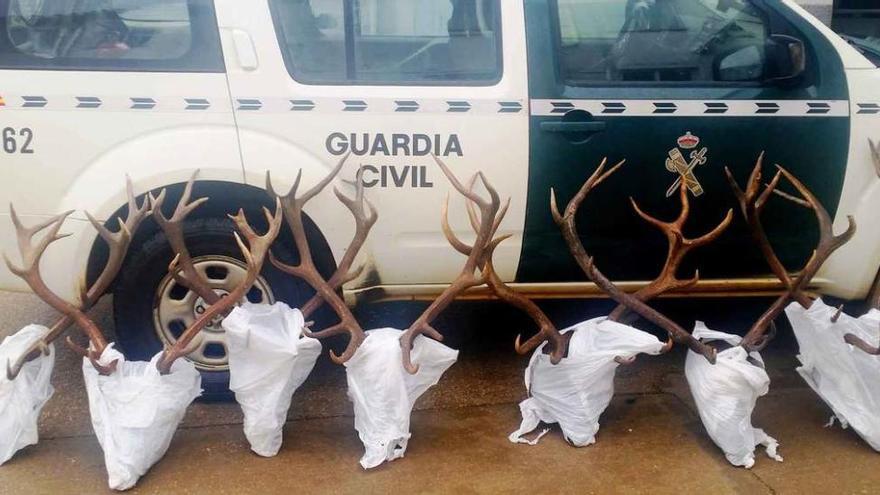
x=813 y=147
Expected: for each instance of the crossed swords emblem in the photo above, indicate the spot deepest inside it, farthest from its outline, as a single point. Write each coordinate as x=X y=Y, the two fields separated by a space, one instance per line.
x=677 y=163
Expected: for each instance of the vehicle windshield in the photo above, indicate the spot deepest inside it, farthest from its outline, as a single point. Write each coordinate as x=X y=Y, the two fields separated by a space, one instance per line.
x=868 y=46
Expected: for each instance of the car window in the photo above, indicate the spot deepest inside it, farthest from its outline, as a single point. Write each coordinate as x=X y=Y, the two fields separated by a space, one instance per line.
x=174 y=35
x=430 y=42
x=660 y=40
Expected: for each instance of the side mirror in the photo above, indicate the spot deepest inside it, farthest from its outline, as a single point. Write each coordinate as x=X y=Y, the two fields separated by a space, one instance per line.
x=786 y=57
x=742 y=64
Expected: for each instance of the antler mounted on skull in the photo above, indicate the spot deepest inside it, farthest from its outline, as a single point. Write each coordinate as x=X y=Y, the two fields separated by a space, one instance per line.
x=567 y=224
x=254 y=249
x=365 y=218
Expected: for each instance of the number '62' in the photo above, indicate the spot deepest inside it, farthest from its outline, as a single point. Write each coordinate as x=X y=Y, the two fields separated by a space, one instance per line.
x=18 y=141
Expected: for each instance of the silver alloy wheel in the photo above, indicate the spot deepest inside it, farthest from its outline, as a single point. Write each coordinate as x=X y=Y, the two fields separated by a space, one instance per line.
x=175 y=307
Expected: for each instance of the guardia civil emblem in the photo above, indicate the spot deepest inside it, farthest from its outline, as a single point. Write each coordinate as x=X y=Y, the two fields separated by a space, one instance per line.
x=684 y=168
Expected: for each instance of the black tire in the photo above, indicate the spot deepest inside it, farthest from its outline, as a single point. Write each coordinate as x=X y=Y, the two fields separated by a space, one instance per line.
x=136 y=291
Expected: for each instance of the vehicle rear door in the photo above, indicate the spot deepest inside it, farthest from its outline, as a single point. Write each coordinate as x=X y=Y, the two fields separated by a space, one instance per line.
x=392 y=83
x=671 y=86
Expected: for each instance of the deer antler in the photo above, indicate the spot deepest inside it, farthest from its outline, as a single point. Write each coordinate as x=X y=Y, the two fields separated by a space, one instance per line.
x=558 y=343
x=488 y=223
x=254 y=254
x=173 y=228
x=752 y=202
x=118 y=242
x=306 y=270
x=31 y=254
x=567 y=225
x=364 y=222
x=679 y=247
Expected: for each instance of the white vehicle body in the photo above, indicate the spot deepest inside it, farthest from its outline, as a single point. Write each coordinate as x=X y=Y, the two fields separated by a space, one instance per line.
x=77 y=133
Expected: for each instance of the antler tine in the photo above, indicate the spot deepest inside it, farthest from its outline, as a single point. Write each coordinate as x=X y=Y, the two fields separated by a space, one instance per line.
x=13 y=368
x=752 y=204
x=828 y=240
x=30 y=272
x=875 y=155
x=314 y=191
x=828 y=244
x=858 y=342
x=474 y=217
x=679 y=247
x=365 y=217
x=467 y=278
x=173 y=229
x=453 y=240
x=466 y=192
x=291 y=197
x=569 y=231
x=255 y=254
x=118 y=242
x=306 y=270
x=31 y=255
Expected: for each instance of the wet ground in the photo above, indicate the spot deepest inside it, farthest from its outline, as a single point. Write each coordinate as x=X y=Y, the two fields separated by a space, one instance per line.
x=651 y=439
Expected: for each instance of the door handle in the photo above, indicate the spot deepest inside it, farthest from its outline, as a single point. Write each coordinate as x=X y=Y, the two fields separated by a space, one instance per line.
x=566 y=127
x=245 y=50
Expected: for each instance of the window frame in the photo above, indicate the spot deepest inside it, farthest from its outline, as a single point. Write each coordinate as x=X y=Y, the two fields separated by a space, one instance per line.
x=204 y=56
x=350 y=68
x=556 y=33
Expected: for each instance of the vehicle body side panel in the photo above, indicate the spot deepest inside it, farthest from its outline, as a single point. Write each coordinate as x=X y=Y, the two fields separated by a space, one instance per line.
x=853 y=268
x=82 y=153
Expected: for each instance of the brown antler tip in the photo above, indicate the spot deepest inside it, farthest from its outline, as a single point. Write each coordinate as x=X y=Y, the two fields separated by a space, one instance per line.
x=554 y=208
x=174 y=263
x=713 y=355
x=336 y=359
x=837 y=314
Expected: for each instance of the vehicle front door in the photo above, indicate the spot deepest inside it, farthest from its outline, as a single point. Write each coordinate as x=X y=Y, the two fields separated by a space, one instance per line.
x=672 y=86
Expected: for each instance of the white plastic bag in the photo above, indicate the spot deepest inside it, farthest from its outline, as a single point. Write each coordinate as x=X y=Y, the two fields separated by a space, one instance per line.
x=22 y=399
x=575 y=392
x=269 y=359
x=845 y=377
x=135 y=412
x=384 y=393
x=726 y=393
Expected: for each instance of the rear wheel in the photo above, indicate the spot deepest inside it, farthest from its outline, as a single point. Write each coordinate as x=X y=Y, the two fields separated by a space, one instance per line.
x=152 y=310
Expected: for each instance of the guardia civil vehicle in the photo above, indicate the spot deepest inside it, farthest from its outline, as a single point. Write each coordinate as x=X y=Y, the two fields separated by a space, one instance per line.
x=532 y=92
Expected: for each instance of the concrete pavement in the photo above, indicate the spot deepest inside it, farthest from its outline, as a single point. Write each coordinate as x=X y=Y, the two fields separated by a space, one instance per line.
x=651 y=438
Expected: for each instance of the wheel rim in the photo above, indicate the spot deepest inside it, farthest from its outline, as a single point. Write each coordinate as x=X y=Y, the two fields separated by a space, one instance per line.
x=175 y=308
